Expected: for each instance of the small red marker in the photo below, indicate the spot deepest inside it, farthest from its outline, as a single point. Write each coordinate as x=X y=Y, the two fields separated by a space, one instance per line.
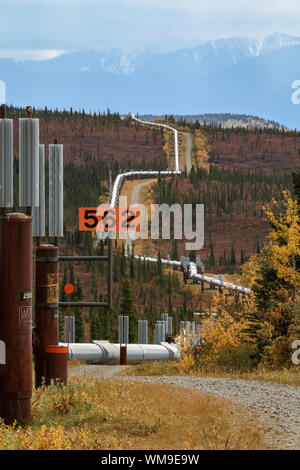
x=69 y=288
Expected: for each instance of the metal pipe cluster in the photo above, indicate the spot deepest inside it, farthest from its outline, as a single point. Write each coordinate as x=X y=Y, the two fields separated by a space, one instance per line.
x=104 y=352
x=143 y=331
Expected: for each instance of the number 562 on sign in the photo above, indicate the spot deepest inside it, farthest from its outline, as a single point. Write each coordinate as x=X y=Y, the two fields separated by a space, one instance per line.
x=109 y=218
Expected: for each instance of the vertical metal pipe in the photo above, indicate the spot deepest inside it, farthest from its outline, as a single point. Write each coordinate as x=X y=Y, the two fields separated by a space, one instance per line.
x=69 y=329
x=6 y=162
x=56 y=190
x=38 y=213
x=170 y=326
x=46 y=305
x=120 y=331
x=145 y=332
x=126 y=329
x=16 y=316
x=110 y=272
x=28 y=162
x=123 y=354
x=56 y=364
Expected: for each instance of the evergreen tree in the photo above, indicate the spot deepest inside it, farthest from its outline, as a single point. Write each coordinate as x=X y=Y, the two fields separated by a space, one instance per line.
x=211 y=261
x=242 y=257
x=127 y=308
x=232 y=256
x=296 y=184
x=132 y=266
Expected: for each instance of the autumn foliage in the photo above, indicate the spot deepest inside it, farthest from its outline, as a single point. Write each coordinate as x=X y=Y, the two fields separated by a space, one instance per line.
x=259 y=330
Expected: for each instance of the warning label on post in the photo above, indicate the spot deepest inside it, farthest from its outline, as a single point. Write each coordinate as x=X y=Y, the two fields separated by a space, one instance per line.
x=27 y=295
x=25 y=315
x=52 y=289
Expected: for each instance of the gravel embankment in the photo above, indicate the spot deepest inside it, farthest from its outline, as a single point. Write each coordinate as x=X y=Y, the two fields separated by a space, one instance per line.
x=277 y=406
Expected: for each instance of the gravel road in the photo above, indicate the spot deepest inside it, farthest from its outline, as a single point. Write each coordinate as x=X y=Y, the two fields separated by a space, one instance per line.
x=135 y=200
x=276 y=406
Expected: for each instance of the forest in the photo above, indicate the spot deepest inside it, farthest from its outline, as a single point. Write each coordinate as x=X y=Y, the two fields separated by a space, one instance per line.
x=96 y=148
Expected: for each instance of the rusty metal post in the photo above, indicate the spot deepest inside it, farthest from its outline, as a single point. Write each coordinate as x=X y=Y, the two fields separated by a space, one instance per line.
x=46 y=305
x=56 y=364
x=123 y=354
x=16 y=316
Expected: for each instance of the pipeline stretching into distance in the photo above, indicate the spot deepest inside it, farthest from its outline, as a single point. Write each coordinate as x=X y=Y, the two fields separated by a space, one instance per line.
x=192 y=271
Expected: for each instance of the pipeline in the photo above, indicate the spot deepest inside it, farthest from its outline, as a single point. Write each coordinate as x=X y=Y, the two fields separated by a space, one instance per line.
x=104 y=352
x=192 y=271
x=136 y=175
x=176 y=148
x=118 y=183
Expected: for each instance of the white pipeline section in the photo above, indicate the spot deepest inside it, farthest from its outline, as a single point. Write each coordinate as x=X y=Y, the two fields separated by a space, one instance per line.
x=131 y=175
x=192 y=272
x=176 y=147
x=104 y=352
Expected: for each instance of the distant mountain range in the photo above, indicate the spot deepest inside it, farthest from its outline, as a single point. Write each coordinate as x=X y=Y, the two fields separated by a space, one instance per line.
x=235 y=75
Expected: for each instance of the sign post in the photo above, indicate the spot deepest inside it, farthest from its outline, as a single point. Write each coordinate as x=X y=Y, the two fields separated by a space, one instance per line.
x=46 y=305
x=69 y=289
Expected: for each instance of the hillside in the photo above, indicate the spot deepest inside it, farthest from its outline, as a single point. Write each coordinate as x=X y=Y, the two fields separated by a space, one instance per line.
x=268 y=151
x=234 y=227
x=224 y=120
x=102 y=136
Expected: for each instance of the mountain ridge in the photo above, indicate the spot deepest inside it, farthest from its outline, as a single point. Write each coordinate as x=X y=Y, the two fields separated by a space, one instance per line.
x=238 y=76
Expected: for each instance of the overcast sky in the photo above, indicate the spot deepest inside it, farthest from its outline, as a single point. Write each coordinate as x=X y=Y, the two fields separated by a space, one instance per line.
x=42 y=28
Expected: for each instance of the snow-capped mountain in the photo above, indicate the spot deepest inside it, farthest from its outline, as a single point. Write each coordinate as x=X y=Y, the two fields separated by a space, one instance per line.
x=277 y=41
x=206 y=57
x=116 y=61
x=234 y=75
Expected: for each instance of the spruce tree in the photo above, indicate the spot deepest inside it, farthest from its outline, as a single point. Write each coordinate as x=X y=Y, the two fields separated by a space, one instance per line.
x=296 y=184
x=127 y=308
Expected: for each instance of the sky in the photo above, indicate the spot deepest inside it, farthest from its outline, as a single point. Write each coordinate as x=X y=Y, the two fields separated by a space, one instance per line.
x=41 y=29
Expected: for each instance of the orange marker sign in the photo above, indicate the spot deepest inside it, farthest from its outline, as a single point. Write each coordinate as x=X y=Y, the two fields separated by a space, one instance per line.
x=69 y=288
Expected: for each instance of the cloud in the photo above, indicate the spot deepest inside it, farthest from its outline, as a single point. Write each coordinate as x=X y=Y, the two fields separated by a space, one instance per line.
x=30 y=54
x=158 y=24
